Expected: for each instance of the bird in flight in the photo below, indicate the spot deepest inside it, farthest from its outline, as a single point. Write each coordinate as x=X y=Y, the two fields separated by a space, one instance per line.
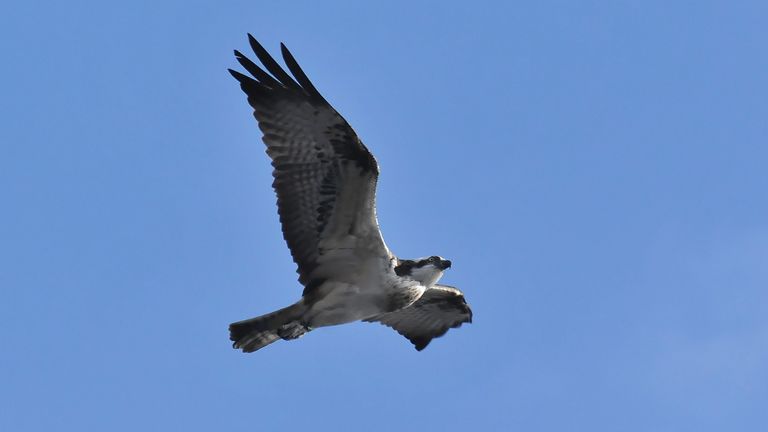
x=325 y=181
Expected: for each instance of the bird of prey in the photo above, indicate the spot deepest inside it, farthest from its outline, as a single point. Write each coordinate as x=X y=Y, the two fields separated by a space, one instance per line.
x=325 y=181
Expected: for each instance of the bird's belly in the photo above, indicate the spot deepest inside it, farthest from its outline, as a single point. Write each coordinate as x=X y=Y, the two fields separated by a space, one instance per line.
x=346 y=302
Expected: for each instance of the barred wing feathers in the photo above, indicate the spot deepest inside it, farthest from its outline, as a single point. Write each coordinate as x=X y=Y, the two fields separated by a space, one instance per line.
x=440 y=308
x=324 y=177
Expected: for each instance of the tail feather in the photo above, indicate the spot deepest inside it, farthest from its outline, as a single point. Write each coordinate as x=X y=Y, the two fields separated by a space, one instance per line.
x=255 y=333
x=255 y=340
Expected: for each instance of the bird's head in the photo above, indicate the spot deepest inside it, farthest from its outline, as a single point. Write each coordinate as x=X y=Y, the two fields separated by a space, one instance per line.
x=427 y=271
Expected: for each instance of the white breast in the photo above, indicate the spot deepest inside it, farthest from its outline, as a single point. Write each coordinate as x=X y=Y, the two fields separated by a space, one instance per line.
x=428 y=275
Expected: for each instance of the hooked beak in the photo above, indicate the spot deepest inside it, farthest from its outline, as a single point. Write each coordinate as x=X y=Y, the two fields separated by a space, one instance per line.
x=445 y=264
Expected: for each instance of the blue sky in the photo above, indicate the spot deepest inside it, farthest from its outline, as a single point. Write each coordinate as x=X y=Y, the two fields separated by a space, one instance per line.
x=596 y=171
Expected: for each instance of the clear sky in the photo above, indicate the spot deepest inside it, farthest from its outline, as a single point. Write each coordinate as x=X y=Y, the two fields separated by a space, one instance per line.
x=595 y=170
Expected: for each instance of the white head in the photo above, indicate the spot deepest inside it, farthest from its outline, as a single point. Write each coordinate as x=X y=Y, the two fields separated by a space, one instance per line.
x=427 y=271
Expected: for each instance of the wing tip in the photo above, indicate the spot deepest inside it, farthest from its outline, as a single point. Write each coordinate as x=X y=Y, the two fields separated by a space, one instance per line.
x=420 y=346
x=237 y=75
x=296 y=80
x=252 y=41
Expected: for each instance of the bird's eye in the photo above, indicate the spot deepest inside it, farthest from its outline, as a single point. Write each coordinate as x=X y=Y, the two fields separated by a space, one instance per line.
x=433 y=259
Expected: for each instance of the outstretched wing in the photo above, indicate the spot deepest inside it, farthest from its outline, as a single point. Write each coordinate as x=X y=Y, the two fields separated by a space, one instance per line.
x=325 y=178
x=440 y=308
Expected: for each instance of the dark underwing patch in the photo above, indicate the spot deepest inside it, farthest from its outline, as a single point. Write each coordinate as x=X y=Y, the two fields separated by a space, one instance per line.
x=348 y=146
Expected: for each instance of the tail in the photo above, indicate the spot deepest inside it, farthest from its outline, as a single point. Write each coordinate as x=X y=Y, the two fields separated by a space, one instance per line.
x=255 y=333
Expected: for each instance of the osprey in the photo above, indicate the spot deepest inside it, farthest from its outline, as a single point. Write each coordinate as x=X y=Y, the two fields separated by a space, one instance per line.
x=325 y=181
